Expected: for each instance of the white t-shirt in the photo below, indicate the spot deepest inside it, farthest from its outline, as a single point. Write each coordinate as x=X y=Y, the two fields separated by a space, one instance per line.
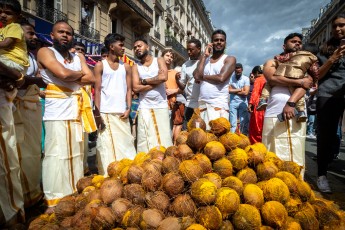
x=192 y=89
x=31 y=72
x=277 y=100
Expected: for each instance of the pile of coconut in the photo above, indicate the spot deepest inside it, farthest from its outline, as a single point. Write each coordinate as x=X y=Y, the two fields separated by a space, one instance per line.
x=210 y=180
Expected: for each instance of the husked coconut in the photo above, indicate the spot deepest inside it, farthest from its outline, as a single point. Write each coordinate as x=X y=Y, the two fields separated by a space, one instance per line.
x=274 y=214
x=215 y=178
x=210 y=217
x=197 y=139
x=173 y=184
x=190 y=170
x=151 y=218
x=170 y=164
x=227 y=201
x=253 y=195
x=203 y=191
x=246 y=217
x=223 y=167
x=183 y=205
x=111 y=190
x=238 y=158
x=234 y=183
x=220 y=126
x=157 y=200
x=214 y=150
x=204 y=162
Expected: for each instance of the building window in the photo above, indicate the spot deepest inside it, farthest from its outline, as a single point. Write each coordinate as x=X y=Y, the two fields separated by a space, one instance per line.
x=114 y=26
x=86 y=13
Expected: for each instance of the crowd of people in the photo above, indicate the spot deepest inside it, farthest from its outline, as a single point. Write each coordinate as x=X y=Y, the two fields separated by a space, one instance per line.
x=134 y=108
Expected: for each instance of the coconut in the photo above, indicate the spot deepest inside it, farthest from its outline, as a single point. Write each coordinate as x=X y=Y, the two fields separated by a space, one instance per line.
x=111 y=190
x=230 y=141
x=215 y=178
x=157 y=200
x=293 y=205
x=291 y=167
x=151 y=180
x=274 y=214
x=186 y=221
x=151 y=218
x=171 y=150
x=303 y=190
x=190 y=170
x=253 y=195
x=264 y=227
x=214 y=150
x=39 y=222
x=247 y=176
x=227 y=201
x=170 y=223
x=203 y=191
x=204 y=162
x=183 y=205
x=120 y=207
x=238 y=158
x=172 y=184
x=227 y=225
x=90 y=209
x=135 y=193
x=95 y=195
x=132 y=217
x=275 y=189
x=124 y=175
x=223 y=167
x=256 y=153
x=196 y=122
x=197 y=139
x=104 y=219
x=65 y=207
x=266 y=170
x=183 y=152
x=83 y=183
x=140 y=158
x=290 y=180
x=211 y=137
x=66 y=223
x=244 y=142
x=196 y=227
x=210 y=217
x=272 y=157
x=134 y=174
x=51 y=226
x=114 y=169
x=327 y=217
x=292 y=224
x=87 y=190
x=170 y=164
x=97 y=181
x=234 y=183
x=306 y=218
x=152 y=165
x=80 y=202
x=182 y=138
x=220 y=126
x=157 y=153
x=246 y=217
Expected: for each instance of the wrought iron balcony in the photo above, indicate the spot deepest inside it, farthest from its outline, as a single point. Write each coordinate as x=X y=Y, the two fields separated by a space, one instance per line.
x=142 y=9
x=157 y=35
x=178 y=47
x=88 y=31
x=49 y=13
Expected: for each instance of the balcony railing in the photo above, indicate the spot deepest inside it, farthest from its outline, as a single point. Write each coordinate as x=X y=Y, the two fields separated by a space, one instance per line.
x=157 y=35
x=171 y=41
x=142 y=9
x=49 y=13
x=88 y=31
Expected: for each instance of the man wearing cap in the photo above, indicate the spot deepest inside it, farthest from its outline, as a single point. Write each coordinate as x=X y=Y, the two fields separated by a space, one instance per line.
x=239 y=89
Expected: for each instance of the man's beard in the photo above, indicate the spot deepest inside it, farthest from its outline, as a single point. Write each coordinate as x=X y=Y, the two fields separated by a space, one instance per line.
x=31 y=46
x=62 y=48
x=218 y=51
x=142 y=55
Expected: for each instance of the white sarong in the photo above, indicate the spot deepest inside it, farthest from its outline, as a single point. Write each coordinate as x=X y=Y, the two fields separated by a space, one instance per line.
x=153 y=129
x=28 y=124
x=115 y=142
x=62 y=165
x=209 y=113
x=11 y=193
x=286 y=139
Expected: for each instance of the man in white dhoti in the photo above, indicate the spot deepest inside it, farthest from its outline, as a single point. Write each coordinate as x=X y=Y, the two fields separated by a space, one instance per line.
x=113 y=98
x=149 y=76
x=28 y=123
x=285 y=138
x=214 y=73
x=67 y=112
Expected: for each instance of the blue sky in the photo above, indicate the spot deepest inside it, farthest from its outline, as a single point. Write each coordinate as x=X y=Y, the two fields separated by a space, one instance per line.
x=256 y=28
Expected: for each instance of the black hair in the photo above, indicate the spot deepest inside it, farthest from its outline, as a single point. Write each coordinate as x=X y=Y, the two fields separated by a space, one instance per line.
x=257 y=69
x=311 y=47
x=219 y=31
x=292 y=35
x=141 y=39
x=195 y=41
x=63 y=21
x=111 y=38
x=104 y=50
x=25 y=22
x=76 y=43
x=12 y=4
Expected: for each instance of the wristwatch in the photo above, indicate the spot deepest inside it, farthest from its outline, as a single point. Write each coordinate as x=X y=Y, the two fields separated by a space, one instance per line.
x=143 y=81
x=291 y=104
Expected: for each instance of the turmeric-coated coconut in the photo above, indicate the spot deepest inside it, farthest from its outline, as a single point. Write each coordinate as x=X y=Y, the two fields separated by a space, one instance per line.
x=303 y=190
x=227 y=225
x=291 y=167
x=124 y=175
x=274 y=214
x=215 y=178
x=211 y=137
x=227 y=201
x=190 y=170
x=114 y=169
x=327 y=216
x=244 y=141
x=293 y=205
x=253 y=195
x=220 y=126
x=173 y=184
x=256 y=153
x=196 y=227
x=204 y=162
x=97 y=181
x=222 y=167
x=234 y=183
x=183 y=205
x=247 y=176
x=238 y=158
x=266 y=170
x=290 y=180
x=272 y=157
x=230 y=141
x=140 y=158
x=307 y=219
x=203 y=191
x=292 y=224
x=197 y=139
x=275 y=189
x=214 y=150
x=210 y=217
x=246 y=217
x=132 y=217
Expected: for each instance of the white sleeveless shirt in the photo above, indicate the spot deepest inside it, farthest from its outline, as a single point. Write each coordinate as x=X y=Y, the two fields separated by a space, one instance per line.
x=217 y=95
x=155 y=98
x=113 y=89
x=66 y=108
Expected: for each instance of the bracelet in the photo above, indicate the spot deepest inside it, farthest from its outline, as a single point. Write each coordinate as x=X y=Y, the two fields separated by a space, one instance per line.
x=98 y=116
x=21 y=77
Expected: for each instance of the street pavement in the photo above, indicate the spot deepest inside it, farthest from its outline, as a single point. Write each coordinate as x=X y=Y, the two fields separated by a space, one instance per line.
x=336 y=173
